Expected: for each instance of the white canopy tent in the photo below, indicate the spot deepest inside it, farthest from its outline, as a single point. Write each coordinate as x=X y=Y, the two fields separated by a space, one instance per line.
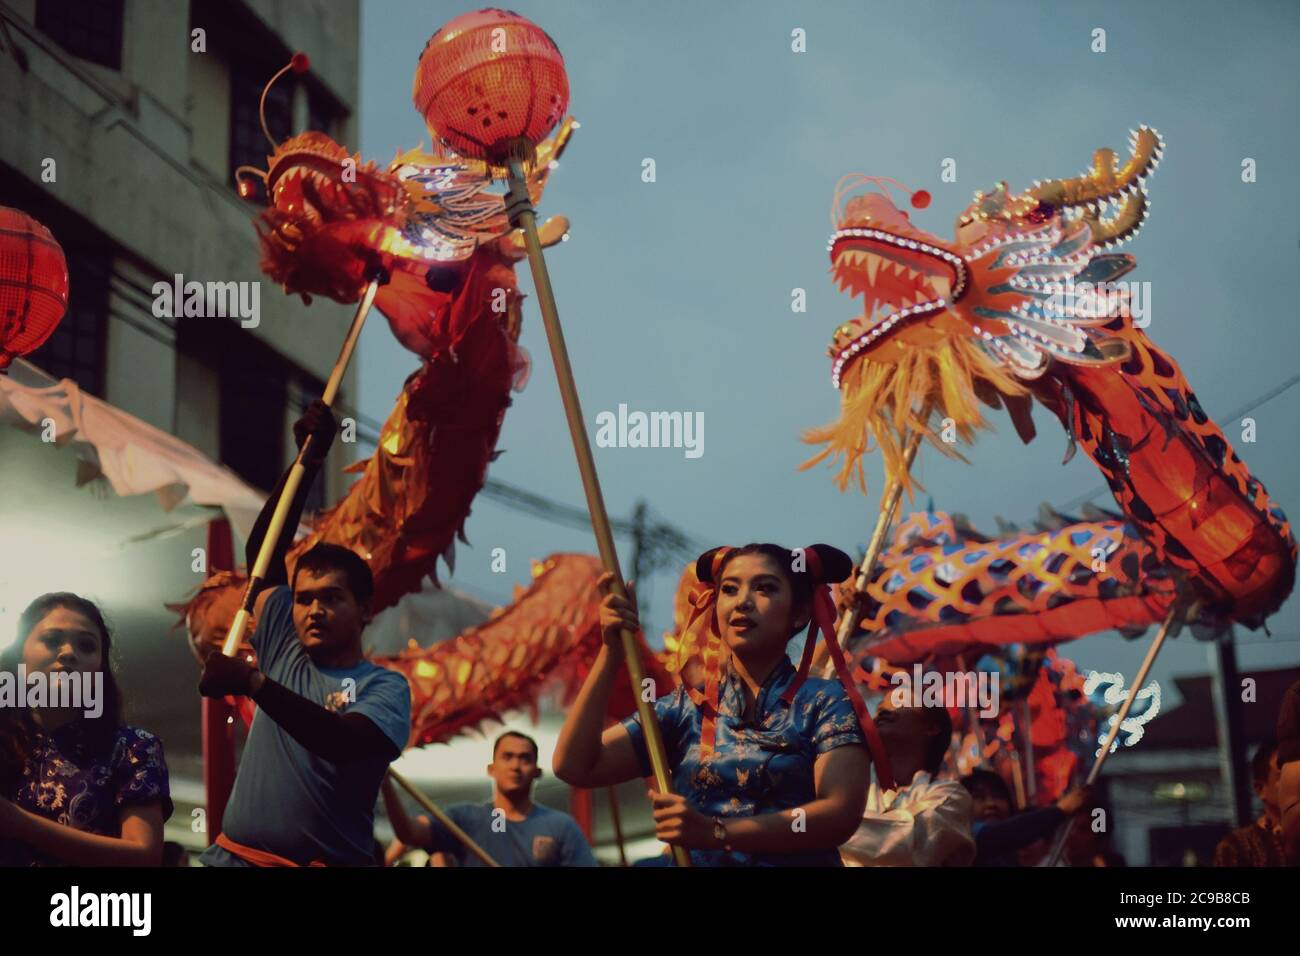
x=96 y=501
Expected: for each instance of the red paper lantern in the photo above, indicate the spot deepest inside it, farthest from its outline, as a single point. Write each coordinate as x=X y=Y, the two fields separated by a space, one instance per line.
x=33 y=284
x=489 y=81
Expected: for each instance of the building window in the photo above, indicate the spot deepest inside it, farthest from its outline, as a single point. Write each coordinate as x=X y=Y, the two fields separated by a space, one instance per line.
x=253 y=54
x=251 y=429
x=248 y=145
x=259 y=394
x=90 y=29
x=320 y=113
x=76 y=348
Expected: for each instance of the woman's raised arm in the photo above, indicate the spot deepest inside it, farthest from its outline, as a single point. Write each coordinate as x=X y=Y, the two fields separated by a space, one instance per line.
x=584 y=755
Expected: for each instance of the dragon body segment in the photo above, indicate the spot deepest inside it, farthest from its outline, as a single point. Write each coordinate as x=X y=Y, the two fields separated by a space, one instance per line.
x=427 y=224
x=944 y=587
x=1024 y=304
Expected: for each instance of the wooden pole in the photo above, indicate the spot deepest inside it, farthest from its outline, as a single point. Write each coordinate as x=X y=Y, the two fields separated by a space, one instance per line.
x=442 y=818
x=1063 y=833
x=618 y=824
x=520 y=209
x=1027 y=748
x=257 y=575
x=973 y=720
x=1018 y=778
x=851 y=614
x=218 y=717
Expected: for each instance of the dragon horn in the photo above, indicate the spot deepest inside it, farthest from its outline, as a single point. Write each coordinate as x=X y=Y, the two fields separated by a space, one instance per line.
x=1105 y=183
x=548 y=152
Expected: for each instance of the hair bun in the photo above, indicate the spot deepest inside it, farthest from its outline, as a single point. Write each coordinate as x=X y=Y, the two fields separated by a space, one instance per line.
x=835 y=564
x=825 y=564
x=706 y=562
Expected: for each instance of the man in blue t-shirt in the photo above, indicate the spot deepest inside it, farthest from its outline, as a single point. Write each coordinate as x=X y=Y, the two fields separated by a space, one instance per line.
x=512 y=829
x=328 y=723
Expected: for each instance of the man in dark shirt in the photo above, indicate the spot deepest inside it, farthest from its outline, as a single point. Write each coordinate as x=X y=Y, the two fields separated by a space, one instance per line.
x=1260 y=843
x=999 y=835
x=512 y=829
x=329 y=722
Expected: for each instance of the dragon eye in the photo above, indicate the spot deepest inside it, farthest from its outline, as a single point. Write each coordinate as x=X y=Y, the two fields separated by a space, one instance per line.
x=1042 y=212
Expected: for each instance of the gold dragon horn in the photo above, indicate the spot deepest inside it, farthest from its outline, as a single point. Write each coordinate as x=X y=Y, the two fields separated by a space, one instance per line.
x=1108 y=184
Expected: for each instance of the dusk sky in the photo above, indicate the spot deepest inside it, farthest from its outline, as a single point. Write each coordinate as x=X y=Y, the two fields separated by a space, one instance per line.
x=675 y=295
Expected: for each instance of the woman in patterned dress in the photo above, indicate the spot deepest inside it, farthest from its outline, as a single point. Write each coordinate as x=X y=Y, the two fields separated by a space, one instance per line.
x=77 y=786
x=769 y=769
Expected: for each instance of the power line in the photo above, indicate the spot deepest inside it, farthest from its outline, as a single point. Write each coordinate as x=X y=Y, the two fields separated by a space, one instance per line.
x=1250 y=406
x=661 y=543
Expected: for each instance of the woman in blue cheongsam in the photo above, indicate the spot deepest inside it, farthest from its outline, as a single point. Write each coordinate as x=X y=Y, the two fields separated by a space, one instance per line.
x=76 y=785
x=769 y=767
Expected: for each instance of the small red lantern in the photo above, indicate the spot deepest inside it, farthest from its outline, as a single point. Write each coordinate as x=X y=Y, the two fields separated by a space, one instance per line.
x=33 y=284
x=490 y=85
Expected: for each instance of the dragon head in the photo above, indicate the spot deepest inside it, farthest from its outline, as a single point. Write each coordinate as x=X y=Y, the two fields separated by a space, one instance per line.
x=332 y=223
x=946 y=322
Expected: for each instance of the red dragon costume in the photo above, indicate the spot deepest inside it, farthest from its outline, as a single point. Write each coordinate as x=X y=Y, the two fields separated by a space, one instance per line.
x=443 y=239
x=1022 y=305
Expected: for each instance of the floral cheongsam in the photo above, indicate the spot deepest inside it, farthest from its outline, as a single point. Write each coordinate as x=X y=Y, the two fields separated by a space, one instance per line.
x=65 y=781
x=755 y=768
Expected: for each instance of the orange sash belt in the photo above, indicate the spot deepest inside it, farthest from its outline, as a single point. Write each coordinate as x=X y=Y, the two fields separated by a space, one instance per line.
x=256 y=857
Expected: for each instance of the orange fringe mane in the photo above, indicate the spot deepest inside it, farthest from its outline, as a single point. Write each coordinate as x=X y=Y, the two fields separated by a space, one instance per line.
x=882 y=402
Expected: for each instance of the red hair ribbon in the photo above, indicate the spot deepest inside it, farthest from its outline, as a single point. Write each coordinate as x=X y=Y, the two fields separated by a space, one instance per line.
x=823 y=619
x=704 y=599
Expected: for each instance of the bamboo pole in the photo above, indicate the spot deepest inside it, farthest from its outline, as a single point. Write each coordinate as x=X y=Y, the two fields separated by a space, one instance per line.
x=257 y=575
x=1018 y=778
x=618 y=824
x=520 y=209
x=1027 y=748
x=1063 y=834
x=851 y=614
x=442 y=818
x=973 y=720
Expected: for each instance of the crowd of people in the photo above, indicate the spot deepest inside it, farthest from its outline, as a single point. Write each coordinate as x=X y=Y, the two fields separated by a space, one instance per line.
x=769 y=765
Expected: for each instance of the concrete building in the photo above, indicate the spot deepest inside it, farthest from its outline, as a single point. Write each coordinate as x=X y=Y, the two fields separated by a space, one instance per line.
x=121 y=122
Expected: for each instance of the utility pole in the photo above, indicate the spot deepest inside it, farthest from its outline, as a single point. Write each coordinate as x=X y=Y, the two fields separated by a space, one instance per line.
x=1225 y=680
x=639 y=556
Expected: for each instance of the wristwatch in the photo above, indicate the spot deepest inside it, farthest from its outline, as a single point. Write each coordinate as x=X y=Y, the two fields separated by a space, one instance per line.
x=720 y=833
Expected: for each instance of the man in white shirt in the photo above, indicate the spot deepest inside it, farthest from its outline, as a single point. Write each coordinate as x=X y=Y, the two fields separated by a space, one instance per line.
x=925 y=822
